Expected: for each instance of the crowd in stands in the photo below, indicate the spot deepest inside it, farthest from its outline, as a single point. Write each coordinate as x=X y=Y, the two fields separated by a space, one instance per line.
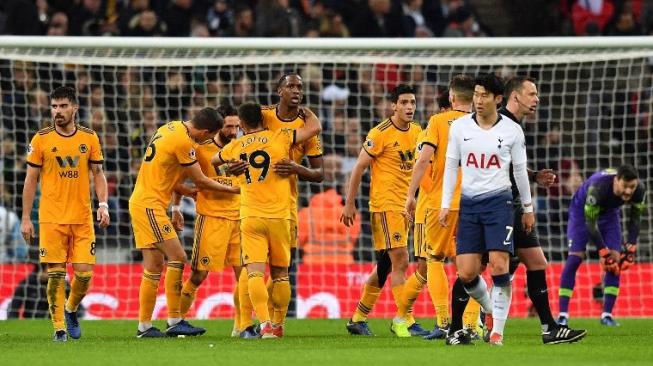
x=323 y=18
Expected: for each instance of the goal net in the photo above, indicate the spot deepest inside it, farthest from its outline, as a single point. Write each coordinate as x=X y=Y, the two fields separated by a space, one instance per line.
x=594 y=113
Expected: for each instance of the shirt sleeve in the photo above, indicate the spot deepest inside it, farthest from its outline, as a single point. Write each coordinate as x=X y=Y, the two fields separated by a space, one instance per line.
x=637 y=208
x=227 y=153
x=96 y=150
x=373 y=144
x=313 y=147
x=453 y=146
x=518 y=150
x=34 y=152
x=432 y=134
x=592 y=211
x=185 y=153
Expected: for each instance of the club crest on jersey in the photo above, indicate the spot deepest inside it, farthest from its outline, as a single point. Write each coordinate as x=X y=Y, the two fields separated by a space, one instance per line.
x=43 y=252
x=500 y=141
x=29 y=149
x=483 y=161
x=54 y=149
x=396 y=236
x=369 y=143
x=205 y=261
x=191 y=153
x=167 y=229
x=83 y=148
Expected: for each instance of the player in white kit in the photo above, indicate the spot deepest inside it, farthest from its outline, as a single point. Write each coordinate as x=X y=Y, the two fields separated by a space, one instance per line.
x=485 y=143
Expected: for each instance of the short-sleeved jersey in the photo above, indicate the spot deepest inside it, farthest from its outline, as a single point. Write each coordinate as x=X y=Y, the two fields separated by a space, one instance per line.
x=392 y=151
x=65 y=165
x=485 y=155
x=311 y=148
x=426 y=186
x=210 y=203
x=437 y=135
x=263 y=193
x=170 y=150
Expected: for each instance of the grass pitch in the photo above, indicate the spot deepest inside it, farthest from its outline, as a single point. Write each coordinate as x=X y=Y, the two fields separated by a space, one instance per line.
x=319 y=342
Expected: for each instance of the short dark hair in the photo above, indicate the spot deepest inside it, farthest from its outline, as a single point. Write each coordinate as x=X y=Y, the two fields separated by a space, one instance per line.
x=516 y=83
x=490 y=82
x=443 y=99
x=285 y=76
x=463 y=86
x=208 y=119
x=627 y=172
x=401 y=89
x=227 y=110
x=250 y=114
x=65 y=92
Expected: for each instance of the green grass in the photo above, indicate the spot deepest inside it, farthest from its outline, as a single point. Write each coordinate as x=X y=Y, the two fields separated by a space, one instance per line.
x=319 y=342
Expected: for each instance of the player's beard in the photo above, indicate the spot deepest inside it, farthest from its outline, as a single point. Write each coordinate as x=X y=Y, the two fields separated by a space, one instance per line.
x=224 y=138
x=63 y=122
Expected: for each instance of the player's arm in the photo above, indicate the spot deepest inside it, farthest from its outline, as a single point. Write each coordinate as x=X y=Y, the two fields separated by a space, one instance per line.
x=450 y=176
x=422 y=163
x=628 y=251
x=29 y=191
x=202 y=182
x=592 y=211
x=287 y=167
x=637 y=208
x=543 y=177
x=102 y=193
x=349 y=211
x=311 y=128
x=520 y=172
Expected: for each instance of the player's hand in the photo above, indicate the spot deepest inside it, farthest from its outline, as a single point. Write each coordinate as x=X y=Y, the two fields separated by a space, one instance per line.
x=285 y=167
x=237 y=167
x=348 y=215
x=177 y=220
x=409 y=208
x=528 y=221
x=27 y=230
x=443 y=217
x=103 y=216
x=627 y=256
x=545 y=177
x=609 y=260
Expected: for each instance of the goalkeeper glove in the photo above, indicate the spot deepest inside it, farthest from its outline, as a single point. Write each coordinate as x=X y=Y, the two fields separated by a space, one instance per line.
x=608 y=264
x=627 y=257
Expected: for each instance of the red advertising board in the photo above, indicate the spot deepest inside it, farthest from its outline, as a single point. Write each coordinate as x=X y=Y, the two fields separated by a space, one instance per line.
x=331 y=291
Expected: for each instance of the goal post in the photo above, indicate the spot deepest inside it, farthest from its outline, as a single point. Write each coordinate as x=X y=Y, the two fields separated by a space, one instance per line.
x=595 y=112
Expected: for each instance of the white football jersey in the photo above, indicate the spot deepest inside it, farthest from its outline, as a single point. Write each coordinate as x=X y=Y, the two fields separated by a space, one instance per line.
x=485 y=155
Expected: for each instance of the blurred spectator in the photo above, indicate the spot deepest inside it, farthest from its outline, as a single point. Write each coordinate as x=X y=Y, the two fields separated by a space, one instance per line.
x=321 y=235
x=624 y=22
x=39 y=109
x=87 y=19
x=173 y=95
x=146 y=24
x=199 y=29
x=463 y=23
x=275 y=18
x=243 y=23
x=22 y=17
x=58 y=25
x=332 y=25
x=177 y=16
x=219 y=18
x=589 y=17
x=125 y=17
x=378 y=19
x=413 y=17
